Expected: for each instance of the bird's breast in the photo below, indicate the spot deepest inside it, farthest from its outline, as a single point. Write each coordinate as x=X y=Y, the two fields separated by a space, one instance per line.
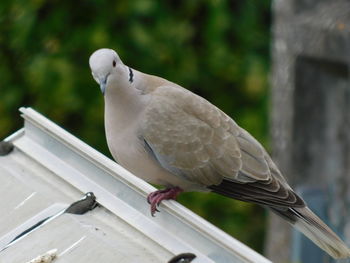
x=129 y=152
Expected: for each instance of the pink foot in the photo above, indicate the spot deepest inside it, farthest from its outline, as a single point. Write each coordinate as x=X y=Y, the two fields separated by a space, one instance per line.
x=155 y=198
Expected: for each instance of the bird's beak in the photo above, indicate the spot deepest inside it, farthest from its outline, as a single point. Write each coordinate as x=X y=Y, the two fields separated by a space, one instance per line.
x=103 y=87
x=103 y=83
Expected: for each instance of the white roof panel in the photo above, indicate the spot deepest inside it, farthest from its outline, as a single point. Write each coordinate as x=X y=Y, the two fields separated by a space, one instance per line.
x=49 y=169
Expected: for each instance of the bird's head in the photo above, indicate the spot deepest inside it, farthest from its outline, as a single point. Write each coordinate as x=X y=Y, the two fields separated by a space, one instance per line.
x=105 y=64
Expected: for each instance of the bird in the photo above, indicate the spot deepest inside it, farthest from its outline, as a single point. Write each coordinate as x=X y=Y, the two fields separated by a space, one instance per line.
x=169 y=136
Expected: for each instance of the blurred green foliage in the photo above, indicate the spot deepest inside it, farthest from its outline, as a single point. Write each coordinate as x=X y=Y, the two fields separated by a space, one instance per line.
x=216 y=48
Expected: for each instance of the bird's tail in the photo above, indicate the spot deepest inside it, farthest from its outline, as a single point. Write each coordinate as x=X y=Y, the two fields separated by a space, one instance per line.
x=313 y=227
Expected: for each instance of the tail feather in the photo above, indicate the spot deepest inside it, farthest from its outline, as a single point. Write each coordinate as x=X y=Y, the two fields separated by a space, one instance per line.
x=313 y=227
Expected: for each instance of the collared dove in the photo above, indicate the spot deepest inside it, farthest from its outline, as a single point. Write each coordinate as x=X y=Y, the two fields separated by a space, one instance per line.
x=170 y=136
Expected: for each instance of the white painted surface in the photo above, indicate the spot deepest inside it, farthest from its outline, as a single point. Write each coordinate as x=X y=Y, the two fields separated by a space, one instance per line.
x=51 y=168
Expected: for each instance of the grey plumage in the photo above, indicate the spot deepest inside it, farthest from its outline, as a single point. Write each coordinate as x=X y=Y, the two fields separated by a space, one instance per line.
x=170 y=136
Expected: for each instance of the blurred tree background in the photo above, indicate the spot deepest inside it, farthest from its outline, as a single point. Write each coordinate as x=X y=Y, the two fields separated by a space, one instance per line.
x=216 y=48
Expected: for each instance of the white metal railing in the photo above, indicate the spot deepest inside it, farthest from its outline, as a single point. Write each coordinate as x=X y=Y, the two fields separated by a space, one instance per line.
x=176 y=228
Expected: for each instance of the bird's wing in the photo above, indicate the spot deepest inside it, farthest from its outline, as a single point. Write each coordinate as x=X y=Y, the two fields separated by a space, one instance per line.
x=273 y=191
x=191 y=137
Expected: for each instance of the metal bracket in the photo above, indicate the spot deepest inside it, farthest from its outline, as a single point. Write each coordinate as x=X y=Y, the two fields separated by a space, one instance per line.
x=5 y=148
x=183 y=258
x=83 y=205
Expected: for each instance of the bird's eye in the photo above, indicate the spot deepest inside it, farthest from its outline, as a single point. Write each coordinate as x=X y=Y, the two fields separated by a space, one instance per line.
x=114 y=63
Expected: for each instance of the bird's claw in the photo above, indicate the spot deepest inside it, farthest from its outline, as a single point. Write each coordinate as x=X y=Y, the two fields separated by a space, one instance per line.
x=155 y=198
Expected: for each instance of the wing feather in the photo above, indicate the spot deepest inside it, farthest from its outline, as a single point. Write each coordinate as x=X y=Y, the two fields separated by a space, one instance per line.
x=194 y=139
x=190 y=135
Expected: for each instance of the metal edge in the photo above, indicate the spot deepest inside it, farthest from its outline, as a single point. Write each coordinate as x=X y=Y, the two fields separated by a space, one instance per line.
x=174 y=208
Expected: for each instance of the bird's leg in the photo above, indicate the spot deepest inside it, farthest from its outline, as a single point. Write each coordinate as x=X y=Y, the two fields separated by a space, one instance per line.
x=155 y=198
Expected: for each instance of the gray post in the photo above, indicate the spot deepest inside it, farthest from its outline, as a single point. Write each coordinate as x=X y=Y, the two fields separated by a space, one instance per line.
x=310 y=124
